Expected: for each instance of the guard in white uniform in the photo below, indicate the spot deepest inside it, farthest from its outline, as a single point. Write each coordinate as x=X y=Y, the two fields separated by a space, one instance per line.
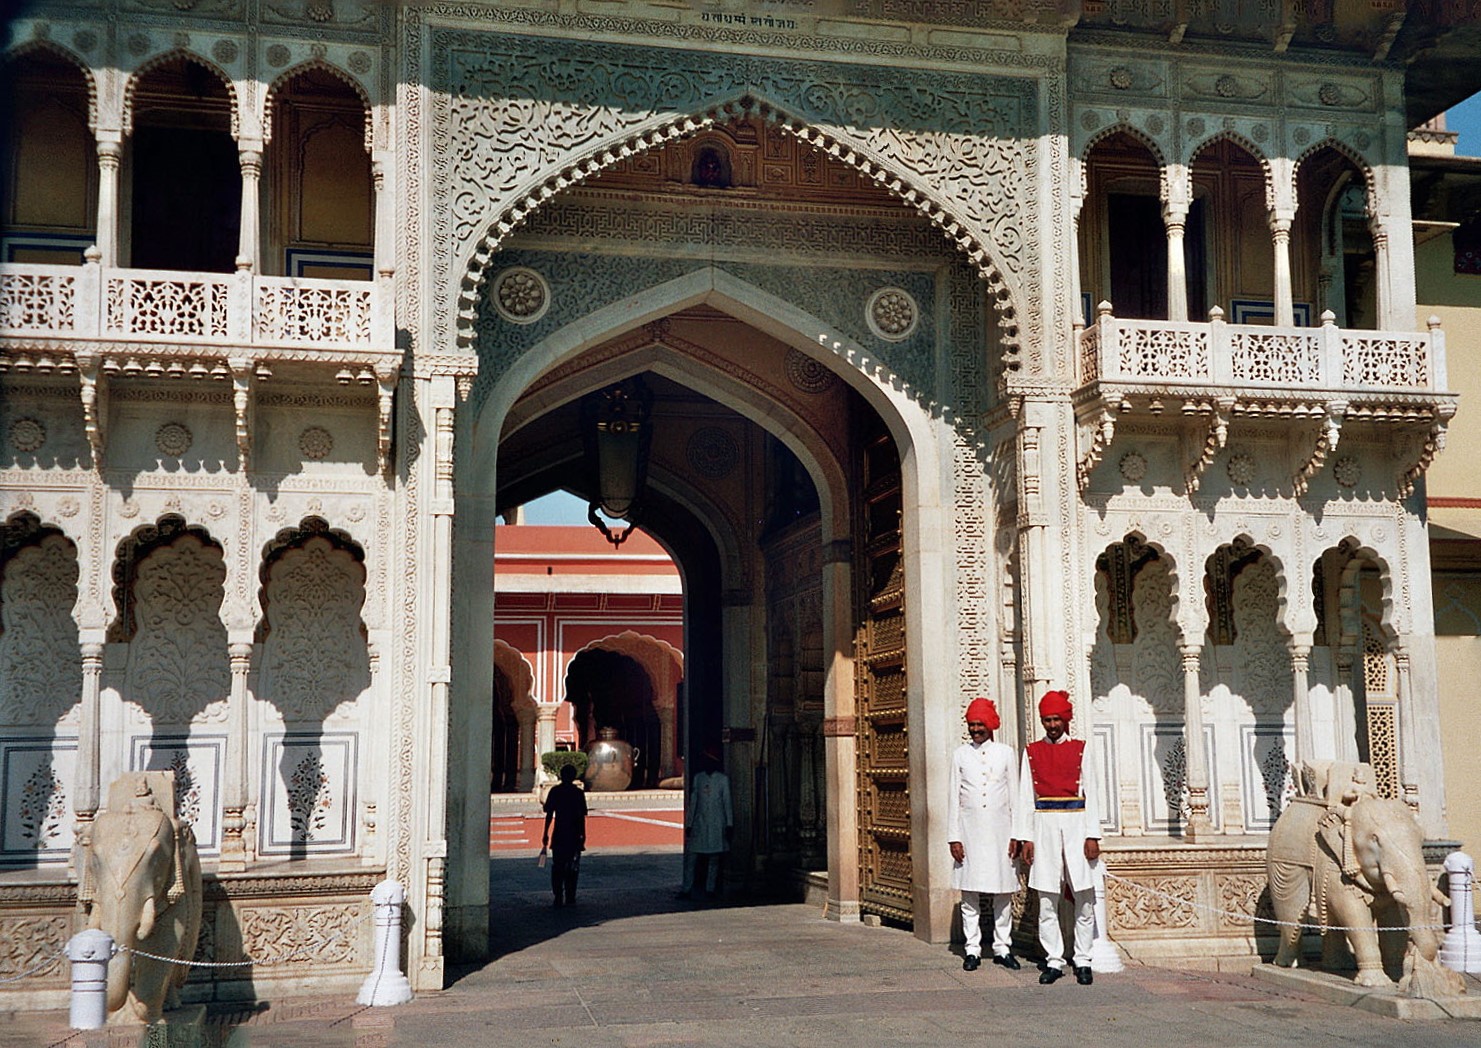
x=1057 y=819
x=980 y=823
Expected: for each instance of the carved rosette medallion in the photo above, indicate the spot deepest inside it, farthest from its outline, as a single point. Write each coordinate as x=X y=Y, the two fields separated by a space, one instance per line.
x=892 y=314
x=1241 y=468
x=520 y=295
x=224 y=51
x=138 y=45
x=1133 y=467
x=713 y=452
x=69 y=506
x=173 y=439
x=27 y=434
x=278 y=55
x=359 y=62
x=1329 y=94
x=806 y=374
x=1226 y=86
x=316 y=443
x=1347 y=471
x=1122 y=78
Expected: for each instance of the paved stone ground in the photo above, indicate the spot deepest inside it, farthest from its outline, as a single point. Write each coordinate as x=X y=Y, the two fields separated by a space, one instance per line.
x=631 y=966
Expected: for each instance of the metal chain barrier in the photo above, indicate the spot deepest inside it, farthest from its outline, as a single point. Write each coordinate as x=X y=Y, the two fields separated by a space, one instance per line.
x=1270 y=920
x=302 y=951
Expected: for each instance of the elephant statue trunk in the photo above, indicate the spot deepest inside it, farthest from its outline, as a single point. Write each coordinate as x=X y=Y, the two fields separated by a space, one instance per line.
x=142 y=884
x=1355 y=861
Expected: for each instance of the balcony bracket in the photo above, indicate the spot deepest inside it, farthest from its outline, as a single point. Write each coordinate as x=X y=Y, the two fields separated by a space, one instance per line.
x=385 y=378
x=1095 y=433
x=1324 y=444
x=1213 y=442
x=93 y=387
x=243 y=383
x=1429 y=444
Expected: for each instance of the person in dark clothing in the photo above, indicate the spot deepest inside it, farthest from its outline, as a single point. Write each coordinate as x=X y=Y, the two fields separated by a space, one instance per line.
x=566 y=805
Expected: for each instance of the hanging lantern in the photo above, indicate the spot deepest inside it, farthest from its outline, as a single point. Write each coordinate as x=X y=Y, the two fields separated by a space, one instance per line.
x=617 y=426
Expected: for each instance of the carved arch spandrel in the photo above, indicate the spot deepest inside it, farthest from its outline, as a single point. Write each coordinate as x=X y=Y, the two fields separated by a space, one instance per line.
x=1361 y=557
x=977 y=188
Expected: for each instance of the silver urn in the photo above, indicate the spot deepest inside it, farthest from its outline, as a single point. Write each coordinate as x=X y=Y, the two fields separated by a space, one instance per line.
x=609 y=762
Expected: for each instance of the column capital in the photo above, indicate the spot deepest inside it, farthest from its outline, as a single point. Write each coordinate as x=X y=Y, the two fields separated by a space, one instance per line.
x=547 y=711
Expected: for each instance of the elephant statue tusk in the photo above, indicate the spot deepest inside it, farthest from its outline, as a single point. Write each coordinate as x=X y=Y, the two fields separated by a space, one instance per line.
x=1440 y=897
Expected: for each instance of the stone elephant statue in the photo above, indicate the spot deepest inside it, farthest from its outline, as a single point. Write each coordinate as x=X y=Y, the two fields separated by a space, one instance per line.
x=1354 y=860
x=141 y=883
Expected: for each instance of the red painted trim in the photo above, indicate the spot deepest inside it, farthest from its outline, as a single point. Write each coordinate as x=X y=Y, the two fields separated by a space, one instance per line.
x=1453 y=502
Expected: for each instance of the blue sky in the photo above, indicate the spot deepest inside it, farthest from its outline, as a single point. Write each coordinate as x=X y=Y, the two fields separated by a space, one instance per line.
x=1466 y=118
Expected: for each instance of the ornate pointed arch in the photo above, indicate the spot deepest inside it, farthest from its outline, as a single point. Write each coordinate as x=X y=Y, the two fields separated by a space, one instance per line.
x=1350 y=604
x=329 y=68
x=31 y=47
x=294 y=538
x=1246 y=144
x=1336 y=145
x=510 y=661
x=876 y=161
x=175 y=54
x=132 y=551
x=1138 y=552
x=652 y=653
x=1244 y=551
x=1130 y=131
x=22 y=530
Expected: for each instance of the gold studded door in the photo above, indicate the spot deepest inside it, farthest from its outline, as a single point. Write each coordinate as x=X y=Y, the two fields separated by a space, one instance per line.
x=885 y=882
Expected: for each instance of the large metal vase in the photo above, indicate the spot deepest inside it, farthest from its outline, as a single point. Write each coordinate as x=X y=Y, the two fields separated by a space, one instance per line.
x=609 y=762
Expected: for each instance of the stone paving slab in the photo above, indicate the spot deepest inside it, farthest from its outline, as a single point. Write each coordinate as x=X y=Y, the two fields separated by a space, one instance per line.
x=632 y=967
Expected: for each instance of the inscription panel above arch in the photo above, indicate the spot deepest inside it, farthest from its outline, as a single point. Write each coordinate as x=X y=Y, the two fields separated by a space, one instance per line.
x=514 y=123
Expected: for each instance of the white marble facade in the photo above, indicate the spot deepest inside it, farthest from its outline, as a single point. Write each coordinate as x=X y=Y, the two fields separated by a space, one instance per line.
x=248 y=516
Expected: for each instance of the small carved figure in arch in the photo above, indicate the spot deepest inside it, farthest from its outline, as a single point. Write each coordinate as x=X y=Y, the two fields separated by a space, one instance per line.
x=711 y=168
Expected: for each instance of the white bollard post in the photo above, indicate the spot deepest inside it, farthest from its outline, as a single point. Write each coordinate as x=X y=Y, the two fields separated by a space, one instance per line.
x=386 y=985
x=1104 y=957
x=89 y=951
x=1461 y=950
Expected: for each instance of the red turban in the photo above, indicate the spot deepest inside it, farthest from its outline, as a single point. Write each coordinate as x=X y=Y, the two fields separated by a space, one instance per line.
x=983 y=710
x=1056 y=704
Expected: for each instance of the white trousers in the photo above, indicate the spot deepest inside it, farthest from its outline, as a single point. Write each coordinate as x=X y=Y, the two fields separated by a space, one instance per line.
x=1052 y=938
x=1002 y=922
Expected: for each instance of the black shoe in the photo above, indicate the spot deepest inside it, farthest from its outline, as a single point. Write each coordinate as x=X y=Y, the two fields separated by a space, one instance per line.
x=1084 y=976
x=558 y=901
x=971 y=962
x=1006 y=960
x=1050 y=975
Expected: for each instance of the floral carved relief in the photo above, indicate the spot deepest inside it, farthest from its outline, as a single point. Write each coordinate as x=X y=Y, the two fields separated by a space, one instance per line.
x=1157 y=672
x=1262 y=667
x=314 y=654
x=40 y=662
x=177 y=665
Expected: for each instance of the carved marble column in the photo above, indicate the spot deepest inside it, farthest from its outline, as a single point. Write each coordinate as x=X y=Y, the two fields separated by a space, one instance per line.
x=1347 y=711
x=528 y=759
x=1408 y=771
x=110 y=150
x=234 y=786
x=89 y=789
x=1199 y=826
x=1382 y=286
x=248 y=248
x=1174 y=218
x=1280 y=241
x=545 y=717
x=1300 y=649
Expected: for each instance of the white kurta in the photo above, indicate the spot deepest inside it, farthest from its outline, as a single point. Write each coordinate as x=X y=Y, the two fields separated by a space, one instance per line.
x=1058 y=836
x=979 y=814
x=709 y=813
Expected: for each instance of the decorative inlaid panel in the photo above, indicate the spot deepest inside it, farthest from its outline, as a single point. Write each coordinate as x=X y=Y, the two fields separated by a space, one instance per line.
x=1164 y=775
x=36 y=776
x=197 y=762
x=308 y=793
x=1266 y=783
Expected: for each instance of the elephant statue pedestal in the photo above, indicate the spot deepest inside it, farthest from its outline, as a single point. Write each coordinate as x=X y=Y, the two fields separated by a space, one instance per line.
x=141 y=883
x=1349 y=862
